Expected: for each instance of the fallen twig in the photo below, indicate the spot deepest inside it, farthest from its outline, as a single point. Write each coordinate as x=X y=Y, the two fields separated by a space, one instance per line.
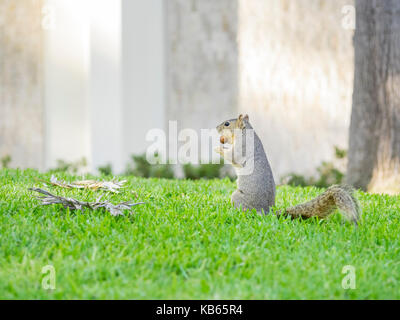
x=112 y=186
x=73 y=204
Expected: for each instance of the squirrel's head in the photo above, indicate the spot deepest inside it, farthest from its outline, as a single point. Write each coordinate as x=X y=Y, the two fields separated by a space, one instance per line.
x=227 y=128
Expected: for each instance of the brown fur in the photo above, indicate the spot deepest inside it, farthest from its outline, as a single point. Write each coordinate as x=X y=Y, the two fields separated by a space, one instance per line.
x=335 y=197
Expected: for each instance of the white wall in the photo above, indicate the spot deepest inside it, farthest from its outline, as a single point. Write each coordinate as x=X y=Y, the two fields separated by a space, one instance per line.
x=296 y=79
x=143 y=51
x=202 y=53
x=21 y=83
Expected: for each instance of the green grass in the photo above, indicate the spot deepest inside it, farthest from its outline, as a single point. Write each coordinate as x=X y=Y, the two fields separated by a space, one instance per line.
x=187 y=242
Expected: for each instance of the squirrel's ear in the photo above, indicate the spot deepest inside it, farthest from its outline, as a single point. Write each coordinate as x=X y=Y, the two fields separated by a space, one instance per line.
x=246 y=117
x=240 y=123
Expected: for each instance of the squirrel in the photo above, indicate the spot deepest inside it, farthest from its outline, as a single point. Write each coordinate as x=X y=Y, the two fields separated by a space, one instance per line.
x=256 y=186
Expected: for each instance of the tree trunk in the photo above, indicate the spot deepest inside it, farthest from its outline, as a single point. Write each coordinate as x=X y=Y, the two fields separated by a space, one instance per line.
x=374 y=151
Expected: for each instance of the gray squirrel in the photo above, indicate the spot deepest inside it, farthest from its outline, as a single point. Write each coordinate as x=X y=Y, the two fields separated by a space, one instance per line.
x=256 y=186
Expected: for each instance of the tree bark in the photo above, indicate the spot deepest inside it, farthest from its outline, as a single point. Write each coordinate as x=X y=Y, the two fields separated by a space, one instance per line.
x=374 y=151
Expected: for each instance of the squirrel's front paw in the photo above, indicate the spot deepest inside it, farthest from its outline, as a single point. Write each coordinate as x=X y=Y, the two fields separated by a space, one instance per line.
x=219 y=150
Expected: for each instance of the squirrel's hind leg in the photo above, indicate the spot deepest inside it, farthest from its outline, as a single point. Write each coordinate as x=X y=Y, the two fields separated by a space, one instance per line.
x=238 y=200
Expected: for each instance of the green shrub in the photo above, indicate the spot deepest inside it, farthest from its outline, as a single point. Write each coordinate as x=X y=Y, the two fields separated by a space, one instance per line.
x=5 y=161
x=106 y=170
x=328 y=174
x=69 y=167
x=202 y=171
x=140 y=167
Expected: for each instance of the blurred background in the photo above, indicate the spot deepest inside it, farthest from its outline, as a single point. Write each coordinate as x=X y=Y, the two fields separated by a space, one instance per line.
x=87 y=79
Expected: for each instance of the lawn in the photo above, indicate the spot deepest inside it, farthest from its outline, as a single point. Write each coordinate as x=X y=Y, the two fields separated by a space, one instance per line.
x=187 y=242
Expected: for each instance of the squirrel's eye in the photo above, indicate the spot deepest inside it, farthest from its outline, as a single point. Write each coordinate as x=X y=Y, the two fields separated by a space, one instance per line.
x=226 y=124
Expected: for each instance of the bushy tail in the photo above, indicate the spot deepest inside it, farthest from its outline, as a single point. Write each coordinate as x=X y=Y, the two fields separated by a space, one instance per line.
x=335 y=197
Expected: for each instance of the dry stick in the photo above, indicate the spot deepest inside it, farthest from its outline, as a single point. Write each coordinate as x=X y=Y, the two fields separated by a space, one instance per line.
x=112 y=186
x=73 y=204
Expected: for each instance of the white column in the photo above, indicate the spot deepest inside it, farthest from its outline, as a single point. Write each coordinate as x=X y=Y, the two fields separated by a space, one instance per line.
x=127 y=78
x=106 y=108
x=105 y=80
x=66 y=66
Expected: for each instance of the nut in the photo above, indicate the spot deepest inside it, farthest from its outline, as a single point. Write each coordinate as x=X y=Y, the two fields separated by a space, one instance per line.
x=223 y=140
